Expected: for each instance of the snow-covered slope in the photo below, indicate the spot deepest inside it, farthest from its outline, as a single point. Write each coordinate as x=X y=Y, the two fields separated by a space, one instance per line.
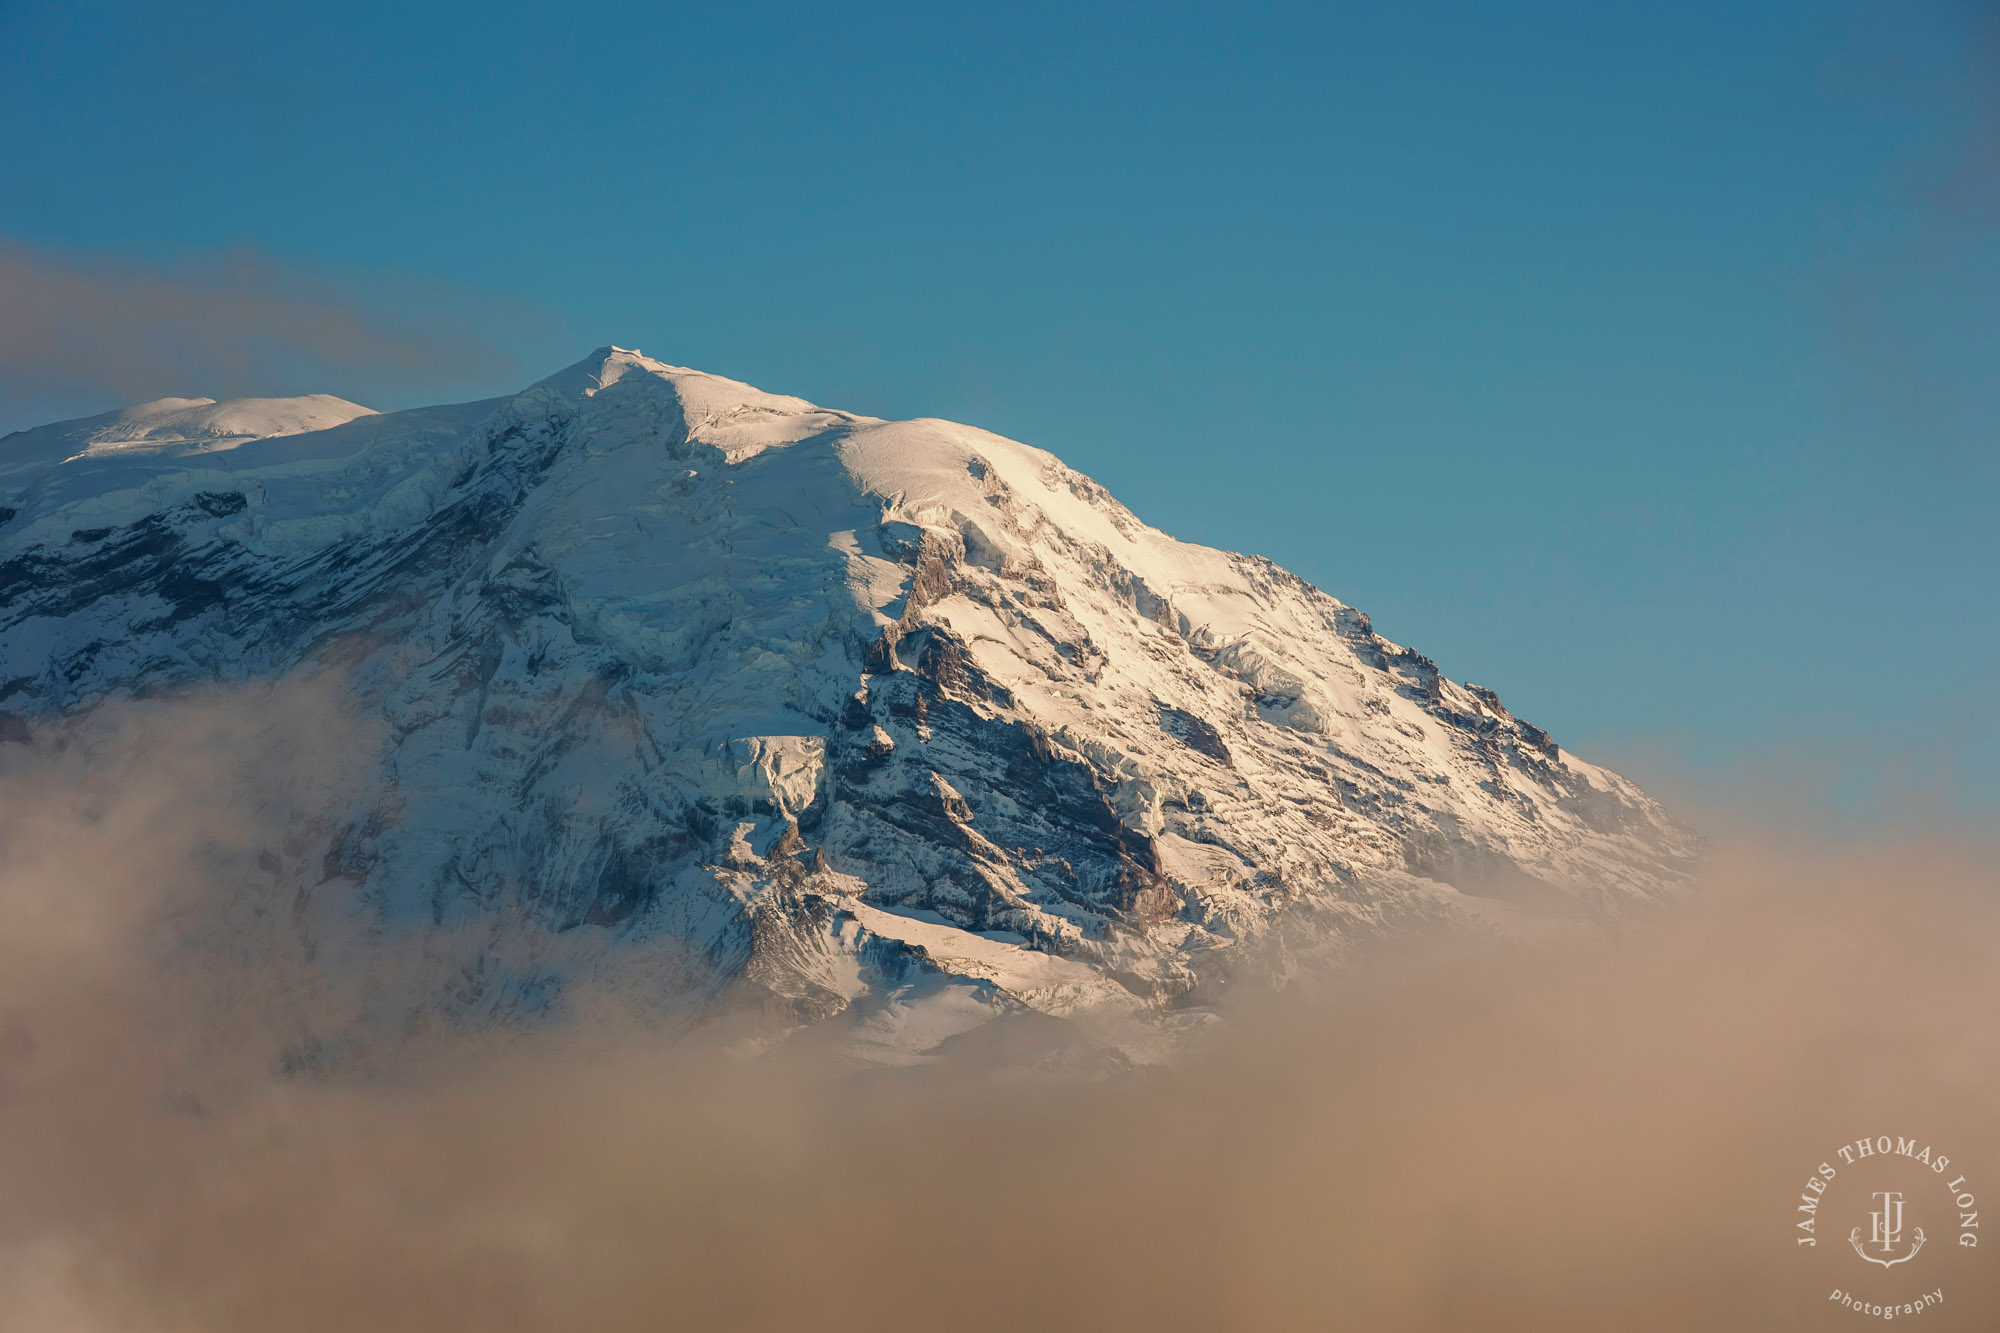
x=899 y=721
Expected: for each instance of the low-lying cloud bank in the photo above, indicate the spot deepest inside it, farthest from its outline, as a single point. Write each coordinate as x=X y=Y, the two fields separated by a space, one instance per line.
x=1612 y=1135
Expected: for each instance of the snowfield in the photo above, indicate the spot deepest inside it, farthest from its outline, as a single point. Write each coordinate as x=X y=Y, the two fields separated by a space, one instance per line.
x=897 y=724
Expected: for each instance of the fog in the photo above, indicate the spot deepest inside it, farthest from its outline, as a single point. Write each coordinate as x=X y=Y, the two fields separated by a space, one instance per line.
x=1588 y=1134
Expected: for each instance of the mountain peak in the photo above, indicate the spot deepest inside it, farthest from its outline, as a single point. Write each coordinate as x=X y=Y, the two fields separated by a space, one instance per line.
x=204 y=421
x=191 y=422
x=600 y=370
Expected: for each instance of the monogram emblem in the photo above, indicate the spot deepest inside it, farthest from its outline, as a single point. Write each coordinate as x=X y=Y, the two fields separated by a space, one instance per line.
x=1887 y=1233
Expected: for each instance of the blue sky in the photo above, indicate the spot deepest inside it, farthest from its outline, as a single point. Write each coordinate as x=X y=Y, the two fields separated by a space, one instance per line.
x=1634 y=361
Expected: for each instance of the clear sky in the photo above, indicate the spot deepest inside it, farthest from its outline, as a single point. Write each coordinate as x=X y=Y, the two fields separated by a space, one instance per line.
x=1638 y=362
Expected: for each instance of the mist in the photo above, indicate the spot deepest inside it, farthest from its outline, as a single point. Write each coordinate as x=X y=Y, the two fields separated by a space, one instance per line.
x=1579 y=1133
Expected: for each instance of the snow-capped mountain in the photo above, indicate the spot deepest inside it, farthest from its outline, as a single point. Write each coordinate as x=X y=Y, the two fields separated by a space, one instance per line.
x=894 y=720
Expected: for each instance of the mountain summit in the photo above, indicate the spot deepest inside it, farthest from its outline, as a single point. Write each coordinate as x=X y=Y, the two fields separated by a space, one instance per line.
x=893 y=723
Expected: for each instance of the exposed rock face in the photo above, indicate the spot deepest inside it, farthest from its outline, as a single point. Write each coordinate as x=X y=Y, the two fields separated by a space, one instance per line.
x=900 y=721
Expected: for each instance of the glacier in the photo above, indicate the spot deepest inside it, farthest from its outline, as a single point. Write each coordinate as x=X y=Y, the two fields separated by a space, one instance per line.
x=899 y=725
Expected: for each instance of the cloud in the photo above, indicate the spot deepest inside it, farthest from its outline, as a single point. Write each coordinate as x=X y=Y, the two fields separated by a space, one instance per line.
x=1571 y=1136
x=231 y=324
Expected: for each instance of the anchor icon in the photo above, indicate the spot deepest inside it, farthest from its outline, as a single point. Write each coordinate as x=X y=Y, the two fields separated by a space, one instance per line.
x=1854 y=1239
